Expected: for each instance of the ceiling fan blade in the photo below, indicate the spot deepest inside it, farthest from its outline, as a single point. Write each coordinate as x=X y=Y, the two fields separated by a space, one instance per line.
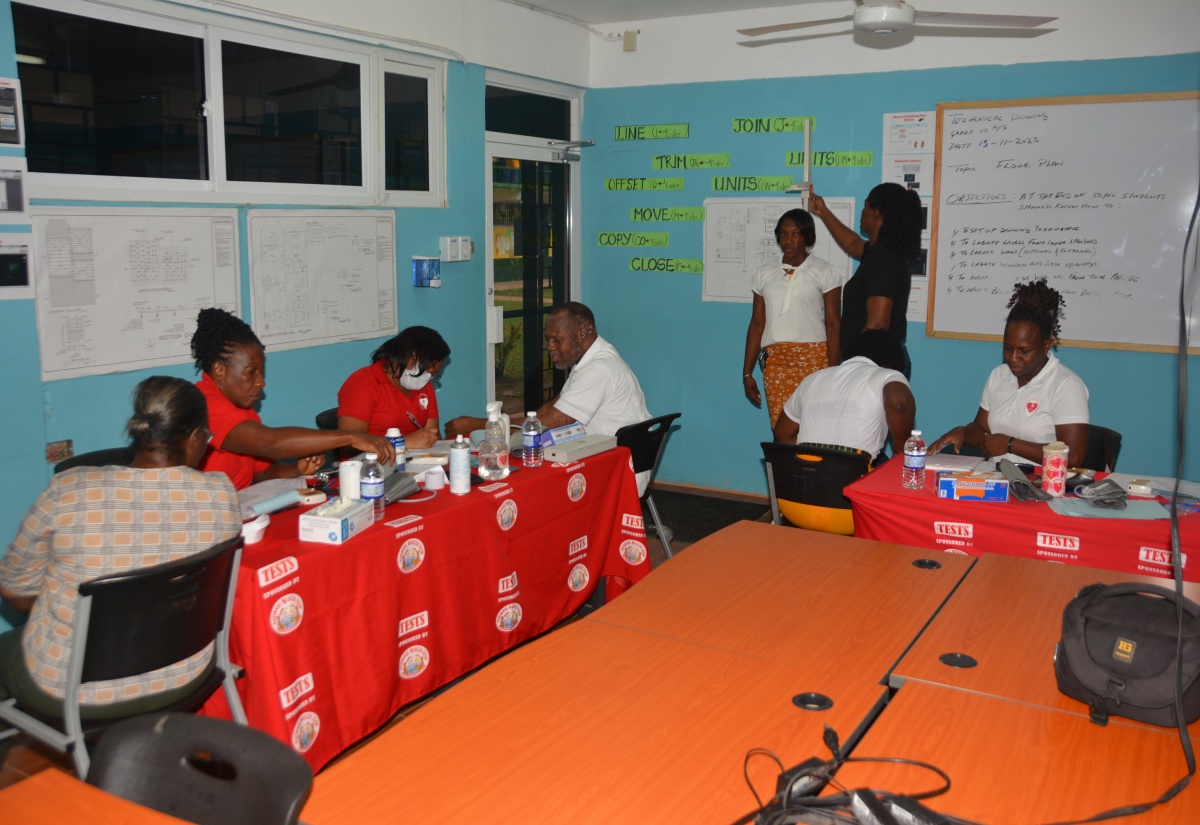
x=774 y=41
x=1011 y=21
x=784 y=27
x=975 y=31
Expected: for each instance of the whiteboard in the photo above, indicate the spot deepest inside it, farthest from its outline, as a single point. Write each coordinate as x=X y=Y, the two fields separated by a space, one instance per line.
x=119 y=289
x=1094 y=193
x=739 y=237
x=320 y=277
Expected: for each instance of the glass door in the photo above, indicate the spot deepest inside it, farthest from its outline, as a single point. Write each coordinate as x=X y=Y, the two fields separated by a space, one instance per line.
x=529 y=274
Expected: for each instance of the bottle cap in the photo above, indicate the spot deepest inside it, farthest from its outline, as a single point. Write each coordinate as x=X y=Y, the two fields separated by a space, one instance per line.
x=392 y=431
x=531 y=414
x=916 y=432
x=372 y=456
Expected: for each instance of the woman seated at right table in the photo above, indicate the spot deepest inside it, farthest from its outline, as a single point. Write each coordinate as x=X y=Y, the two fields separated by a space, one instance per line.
x=396 y=390
x=1031 y=399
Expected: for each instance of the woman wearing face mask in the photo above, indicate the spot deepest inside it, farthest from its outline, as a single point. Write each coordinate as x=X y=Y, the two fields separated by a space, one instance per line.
x=396 y=390
x=234 y=365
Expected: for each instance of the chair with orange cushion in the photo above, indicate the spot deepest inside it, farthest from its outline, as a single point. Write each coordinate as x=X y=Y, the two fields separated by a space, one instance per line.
x=806 y=483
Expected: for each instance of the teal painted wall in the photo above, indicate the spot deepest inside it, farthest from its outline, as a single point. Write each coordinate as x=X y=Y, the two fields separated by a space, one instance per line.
x=688 y=353
x=300 y=383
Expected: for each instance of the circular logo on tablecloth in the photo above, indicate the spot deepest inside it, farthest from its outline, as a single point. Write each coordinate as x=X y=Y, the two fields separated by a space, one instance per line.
x=508 y=617
x=633 y=552
x=411 y=554
x=305 y=731
x=576 y=486
x=413 y=661
x=578 y=578
x=506 y=514
x=286 y=614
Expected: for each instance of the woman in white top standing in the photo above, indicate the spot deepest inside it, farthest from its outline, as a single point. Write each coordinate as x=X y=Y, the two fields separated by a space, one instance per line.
x=795 y=323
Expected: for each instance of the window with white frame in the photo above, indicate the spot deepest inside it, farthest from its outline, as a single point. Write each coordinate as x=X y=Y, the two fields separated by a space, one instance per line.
x=117 y=101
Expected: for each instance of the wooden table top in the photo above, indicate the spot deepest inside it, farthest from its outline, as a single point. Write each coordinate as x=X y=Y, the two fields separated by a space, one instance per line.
x=53 y=797
x=793 y=596
x=1012 y=763
x=594 y=723
x=1007 y=615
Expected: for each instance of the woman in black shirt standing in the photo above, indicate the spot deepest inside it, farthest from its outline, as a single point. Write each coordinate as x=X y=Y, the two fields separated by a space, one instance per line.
x=876 y=297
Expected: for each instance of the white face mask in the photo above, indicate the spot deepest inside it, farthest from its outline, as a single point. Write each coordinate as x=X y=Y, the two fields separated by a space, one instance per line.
x=412 y=380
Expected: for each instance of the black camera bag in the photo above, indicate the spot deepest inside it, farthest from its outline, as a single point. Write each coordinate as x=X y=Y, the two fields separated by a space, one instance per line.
x=1117 y=653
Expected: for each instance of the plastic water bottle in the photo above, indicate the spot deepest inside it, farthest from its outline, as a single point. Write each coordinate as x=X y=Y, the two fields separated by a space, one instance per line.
x=372 y=484
x=397 y=438
x=493 y=452
x=531 y=440
x=914 y=461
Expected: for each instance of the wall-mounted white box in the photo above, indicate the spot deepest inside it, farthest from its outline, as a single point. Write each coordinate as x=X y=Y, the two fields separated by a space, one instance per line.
x=456 y=248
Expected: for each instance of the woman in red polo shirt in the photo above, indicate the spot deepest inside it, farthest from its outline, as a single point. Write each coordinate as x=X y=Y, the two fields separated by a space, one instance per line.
x=234 y=365
x=396 y=390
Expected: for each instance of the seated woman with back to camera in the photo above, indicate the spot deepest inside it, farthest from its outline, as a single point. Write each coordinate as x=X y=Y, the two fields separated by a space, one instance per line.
x=1031 y=399
x=93 y=521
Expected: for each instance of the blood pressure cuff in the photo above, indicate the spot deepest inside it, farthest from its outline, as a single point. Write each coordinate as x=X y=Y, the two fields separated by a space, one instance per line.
x=1018 y=485
x=1106 y=494
x=1117 y=653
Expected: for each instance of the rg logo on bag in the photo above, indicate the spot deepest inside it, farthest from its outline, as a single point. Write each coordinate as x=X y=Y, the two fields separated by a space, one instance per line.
x=1124 y=650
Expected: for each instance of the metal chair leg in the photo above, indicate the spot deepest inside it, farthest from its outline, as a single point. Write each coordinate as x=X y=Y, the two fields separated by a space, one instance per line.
x=664 y=533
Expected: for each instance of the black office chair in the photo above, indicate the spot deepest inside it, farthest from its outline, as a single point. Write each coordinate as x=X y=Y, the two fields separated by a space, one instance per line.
x=806 y=482
x=327 y=419
x=97 y=458
x=203 y=770
x=1104 y=445
x=645 y=441
x=130 y=623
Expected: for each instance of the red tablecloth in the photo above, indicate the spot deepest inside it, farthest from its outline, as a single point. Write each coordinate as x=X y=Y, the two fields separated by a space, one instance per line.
x=886 y=511
x=335 y=639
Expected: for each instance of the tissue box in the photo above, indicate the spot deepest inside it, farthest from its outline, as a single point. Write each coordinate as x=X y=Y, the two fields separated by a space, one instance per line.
x=972 y=487
x=335 y=523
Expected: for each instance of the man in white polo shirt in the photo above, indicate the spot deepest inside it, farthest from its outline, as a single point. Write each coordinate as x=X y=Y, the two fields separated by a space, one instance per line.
x=856 y=404
x=601 y=391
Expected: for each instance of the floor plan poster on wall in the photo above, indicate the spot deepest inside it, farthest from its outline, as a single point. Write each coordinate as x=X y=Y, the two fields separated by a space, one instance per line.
x=739 y=237
x=322 y=277
x=119 y=289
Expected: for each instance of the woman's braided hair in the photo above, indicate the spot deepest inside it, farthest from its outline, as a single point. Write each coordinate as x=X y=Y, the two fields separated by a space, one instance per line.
x=217 y=333
x=1036 y=302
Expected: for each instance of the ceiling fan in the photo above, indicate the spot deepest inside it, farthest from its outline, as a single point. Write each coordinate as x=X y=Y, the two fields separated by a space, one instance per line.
x=881 y=17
